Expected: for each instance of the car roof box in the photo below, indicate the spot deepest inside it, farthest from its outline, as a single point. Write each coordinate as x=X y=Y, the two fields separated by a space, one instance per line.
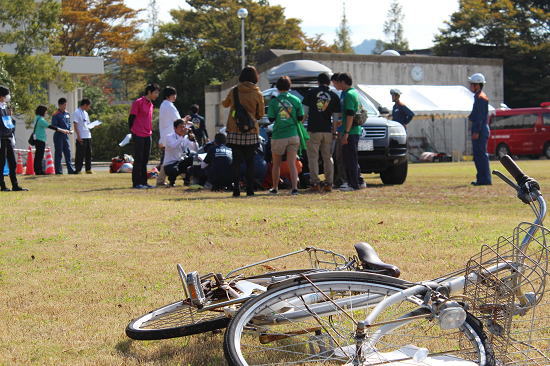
x=299 y=70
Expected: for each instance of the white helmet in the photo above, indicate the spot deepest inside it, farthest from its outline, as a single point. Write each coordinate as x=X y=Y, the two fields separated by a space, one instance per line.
x=395 y=91
x=477 y=78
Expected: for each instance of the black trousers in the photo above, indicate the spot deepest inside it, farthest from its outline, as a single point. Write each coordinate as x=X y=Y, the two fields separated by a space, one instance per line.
x=243 y=153
x=142 y=151
x=39 y=157
x=174 y=169
x=83 y=154
x=351 y=160
x=6 y=152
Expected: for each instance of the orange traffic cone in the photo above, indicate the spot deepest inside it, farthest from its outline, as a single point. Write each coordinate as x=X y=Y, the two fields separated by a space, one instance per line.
x=30 y=163
x=19 y=169
x=49 y=162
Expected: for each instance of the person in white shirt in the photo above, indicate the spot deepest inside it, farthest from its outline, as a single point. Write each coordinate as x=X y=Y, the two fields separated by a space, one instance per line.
x=176 y=145
x=168 y=113
x=83 y=137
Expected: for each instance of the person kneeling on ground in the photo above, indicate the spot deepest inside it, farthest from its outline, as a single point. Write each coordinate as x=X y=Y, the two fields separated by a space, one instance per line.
x=217 y=164
x=175 y=163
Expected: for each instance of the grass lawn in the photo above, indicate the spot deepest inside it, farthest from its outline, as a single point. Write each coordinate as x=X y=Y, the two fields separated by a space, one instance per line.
x=80 y=256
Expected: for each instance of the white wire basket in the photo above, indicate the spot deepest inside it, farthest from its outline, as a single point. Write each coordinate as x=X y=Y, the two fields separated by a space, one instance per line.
x=513 y=303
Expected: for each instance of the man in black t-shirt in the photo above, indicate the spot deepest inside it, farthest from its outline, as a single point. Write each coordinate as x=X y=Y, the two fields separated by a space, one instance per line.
x=321 y=103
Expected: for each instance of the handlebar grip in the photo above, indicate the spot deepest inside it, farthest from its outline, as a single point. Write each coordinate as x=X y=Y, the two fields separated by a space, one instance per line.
x=512 y=168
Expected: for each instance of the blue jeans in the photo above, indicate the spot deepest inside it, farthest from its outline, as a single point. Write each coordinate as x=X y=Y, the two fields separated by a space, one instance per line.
x=62 y=148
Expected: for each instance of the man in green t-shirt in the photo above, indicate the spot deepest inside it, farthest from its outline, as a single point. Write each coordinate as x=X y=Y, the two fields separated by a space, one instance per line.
x=350 y=133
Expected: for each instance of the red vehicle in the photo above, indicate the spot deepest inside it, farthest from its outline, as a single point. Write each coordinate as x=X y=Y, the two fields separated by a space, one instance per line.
x=520 y=131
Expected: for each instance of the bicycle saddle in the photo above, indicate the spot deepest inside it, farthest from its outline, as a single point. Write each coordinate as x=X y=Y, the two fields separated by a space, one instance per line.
x=372 y=263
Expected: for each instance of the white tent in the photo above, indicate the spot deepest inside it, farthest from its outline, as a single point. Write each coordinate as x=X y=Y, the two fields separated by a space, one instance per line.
x=425 y=100
x=441 y=115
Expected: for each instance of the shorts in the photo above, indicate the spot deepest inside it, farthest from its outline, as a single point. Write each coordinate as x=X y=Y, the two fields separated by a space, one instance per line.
x=280 y=146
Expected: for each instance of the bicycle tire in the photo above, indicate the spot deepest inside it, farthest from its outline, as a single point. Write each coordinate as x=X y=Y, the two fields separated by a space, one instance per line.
x=264 y=331
x=171 y=322
x=177 y=319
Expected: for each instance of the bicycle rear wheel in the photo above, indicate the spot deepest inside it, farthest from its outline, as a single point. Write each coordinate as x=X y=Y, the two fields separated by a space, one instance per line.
x=178 y=319
x=296 y=324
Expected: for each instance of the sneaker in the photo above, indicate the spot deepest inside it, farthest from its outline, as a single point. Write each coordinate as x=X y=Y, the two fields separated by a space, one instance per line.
x=5 y=189
x=148 y=186
x=347 y=189
x=294 y=192
x=327 y=188
x=315 y=188
x=344 y=186
x=19 y=189
x=362 y=185
x=139 y=186
x=236 y=193
x=90 y=172
x=273 y=191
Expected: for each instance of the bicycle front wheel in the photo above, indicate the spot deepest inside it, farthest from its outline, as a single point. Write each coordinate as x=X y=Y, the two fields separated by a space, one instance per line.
x=178 y=319
x=302 y=324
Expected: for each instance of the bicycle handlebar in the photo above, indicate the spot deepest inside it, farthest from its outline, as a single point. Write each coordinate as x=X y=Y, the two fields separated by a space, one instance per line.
x=512 y=168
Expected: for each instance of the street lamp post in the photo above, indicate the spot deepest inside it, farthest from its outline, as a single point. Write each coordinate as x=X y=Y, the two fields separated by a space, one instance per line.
x=242 y=14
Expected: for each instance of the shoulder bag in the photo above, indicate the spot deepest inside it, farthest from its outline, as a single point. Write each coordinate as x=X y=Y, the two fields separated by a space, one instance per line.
x=32 y=138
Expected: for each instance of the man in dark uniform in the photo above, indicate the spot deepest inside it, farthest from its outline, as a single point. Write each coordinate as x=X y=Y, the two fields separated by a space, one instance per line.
x=199 y=125
x=62 y=120
x=218 y=160
x=400 y=112
x=7 y=141
x=480 y=130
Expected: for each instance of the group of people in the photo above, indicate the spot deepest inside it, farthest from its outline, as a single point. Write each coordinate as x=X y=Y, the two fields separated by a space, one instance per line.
x=61 y=124
x=232 y=158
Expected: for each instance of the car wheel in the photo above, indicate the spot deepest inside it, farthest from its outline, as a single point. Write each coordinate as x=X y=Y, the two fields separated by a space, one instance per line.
x=502 y=150
x=546 y=150
x=396 y=174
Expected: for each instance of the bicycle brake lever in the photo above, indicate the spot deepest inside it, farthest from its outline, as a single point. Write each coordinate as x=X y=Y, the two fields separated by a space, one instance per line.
x=525 y=187
x=506 y=179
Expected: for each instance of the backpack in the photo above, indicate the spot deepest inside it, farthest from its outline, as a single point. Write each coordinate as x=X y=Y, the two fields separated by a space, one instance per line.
x=245 y=123
x=360 y=116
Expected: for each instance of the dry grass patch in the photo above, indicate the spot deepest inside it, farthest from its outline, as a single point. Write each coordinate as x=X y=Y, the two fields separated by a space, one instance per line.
x=82 y=255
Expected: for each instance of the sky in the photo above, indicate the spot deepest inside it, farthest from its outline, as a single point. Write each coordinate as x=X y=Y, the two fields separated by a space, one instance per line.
x=422 y=19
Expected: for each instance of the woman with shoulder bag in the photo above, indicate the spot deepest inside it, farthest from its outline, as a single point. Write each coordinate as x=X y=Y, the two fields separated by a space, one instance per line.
x=245 y=100
x=7 y=141
x=40 y=125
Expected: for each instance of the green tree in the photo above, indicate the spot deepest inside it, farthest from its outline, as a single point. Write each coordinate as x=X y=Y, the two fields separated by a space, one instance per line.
x=343 y=35
x=202 y=44
x=211 y=27
x=393 y=29
x=30 y=28
x=517 y=31
x=29 y=25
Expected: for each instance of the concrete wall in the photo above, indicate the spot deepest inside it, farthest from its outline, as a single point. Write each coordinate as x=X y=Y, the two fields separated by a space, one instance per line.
x=374 y=69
